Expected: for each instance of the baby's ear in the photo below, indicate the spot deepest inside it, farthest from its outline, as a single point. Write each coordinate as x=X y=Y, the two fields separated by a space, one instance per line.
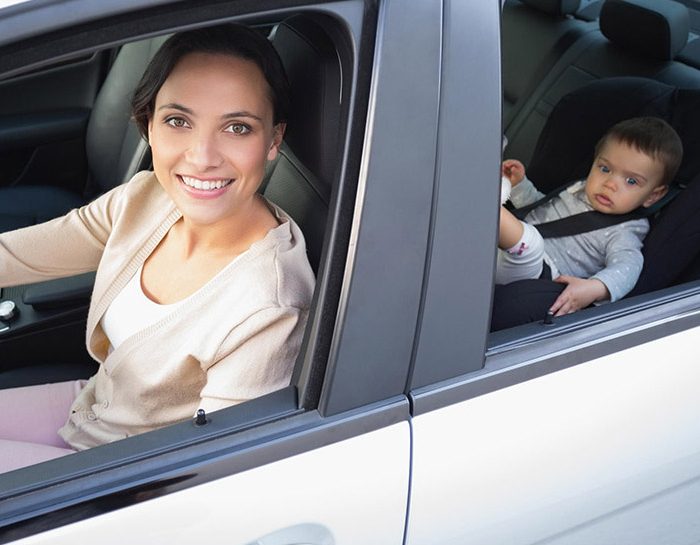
x=655 y=196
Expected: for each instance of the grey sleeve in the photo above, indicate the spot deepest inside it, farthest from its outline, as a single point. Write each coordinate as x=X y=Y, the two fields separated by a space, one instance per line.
x=623 y=258
x=525 y=193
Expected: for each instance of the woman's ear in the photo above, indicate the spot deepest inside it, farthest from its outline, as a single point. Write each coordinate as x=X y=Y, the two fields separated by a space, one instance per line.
x=277 y=136
x=655 y=196
x=150 y=130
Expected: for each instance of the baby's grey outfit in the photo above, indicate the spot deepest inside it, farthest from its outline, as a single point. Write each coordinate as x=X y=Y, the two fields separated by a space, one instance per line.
x=613 y=255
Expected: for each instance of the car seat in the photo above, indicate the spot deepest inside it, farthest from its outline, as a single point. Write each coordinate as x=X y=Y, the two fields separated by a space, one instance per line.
x=671 y=250
x=114 y=149
x=637 y=38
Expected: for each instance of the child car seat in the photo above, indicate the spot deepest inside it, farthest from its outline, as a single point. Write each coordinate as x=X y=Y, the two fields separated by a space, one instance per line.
x=564 y=152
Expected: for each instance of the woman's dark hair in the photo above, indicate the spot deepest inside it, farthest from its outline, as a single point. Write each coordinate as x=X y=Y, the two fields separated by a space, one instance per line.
x=227 y=39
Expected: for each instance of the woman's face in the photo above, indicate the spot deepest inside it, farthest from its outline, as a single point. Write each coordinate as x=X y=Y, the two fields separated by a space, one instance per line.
x=210 y=136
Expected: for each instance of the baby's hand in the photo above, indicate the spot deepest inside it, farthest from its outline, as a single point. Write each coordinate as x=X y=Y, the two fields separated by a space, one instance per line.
x=514 y=170
x=578 y=294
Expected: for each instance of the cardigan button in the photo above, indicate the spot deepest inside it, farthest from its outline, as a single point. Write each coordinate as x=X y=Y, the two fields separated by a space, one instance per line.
x=91 y=416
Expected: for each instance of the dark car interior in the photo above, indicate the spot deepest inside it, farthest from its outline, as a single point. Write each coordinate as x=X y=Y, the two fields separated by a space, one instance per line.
x=571 y=69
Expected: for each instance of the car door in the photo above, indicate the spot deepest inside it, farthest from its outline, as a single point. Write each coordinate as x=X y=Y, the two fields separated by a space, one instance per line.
x=42 y=134
x=326 y=460
x=584 y=431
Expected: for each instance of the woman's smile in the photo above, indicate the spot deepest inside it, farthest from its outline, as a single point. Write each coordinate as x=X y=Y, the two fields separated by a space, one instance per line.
x=211 y=134
x=196 y=183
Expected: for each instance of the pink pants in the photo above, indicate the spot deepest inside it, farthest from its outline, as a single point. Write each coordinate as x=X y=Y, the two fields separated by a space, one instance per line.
x=31 y=418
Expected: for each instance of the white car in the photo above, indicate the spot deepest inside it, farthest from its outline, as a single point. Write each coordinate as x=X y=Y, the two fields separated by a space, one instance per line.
x=408 y=421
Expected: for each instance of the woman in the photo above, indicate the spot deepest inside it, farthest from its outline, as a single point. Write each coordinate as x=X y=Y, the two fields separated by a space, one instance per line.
x=203 y=287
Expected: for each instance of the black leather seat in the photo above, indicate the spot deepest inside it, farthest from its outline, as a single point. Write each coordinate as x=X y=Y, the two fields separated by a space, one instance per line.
x=640 y=38
x=114 y=149
x=534 y=35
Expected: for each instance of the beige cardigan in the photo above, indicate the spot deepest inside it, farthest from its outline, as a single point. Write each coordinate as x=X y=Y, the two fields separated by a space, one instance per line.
x=234 y=339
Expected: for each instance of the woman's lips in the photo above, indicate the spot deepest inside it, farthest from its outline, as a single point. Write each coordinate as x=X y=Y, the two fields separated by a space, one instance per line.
x=205 y=189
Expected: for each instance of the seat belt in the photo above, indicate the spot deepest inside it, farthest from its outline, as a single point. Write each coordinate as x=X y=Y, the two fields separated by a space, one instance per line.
x=585 y=222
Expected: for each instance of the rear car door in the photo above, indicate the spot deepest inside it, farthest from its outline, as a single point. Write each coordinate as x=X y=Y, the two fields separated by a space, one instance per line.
x=578 y=432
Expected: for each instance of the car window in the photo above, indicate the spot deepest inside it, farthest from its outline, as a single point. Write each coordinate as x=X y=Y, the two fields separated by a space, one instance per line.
x=320 y=58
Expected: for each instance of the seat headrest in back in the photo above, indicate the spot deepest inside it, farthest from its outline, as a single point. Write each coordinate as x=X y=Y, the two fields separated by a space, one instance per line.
x=653 y=28
x=554 y=7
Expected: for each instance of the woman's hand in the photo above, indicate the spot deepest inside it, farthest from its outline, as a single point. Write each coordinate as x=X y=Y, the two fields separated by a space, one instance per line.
x=578 y=294
x=514 y=170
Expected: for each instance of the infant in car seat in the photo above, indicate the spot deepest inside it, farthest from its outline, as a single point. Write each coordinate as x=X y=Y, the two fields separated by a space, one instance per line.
x=634 y=163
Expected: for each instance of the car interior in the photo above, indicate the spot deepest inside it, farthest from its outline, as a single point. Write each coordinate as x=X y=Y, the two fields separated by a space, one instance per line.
x=570 y=69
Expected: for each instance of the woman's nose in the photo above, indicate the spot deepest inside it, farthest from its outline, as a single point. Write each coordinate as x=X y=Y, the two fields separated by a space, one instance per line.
x=203 y=152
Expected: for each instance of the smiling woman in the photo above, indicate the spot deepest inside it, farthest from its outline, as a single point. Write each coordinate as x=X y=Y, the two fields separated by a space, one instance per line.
x=203 y=286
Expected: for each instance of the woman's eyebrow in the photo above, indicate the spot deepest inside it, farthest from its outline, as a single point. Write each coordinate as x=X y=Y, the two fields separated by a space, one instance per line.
x=243 y=113
x=176 y=106
x=230 y=115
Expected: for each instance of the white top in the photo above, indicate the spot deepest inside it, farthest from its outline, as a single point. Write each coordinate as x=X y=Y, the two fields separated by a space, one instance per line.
x=131 y=311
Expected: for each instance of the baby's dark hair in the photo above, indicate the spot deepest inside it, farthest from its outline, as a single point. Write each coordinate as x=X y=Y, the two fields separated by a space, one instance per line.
x=653 y=137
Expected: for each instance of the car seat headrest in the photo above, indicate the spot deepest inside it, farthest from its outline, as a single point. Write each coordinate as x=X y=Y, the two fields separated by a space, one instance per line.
x=653 y=28
x=311 y=62
x=554 y=7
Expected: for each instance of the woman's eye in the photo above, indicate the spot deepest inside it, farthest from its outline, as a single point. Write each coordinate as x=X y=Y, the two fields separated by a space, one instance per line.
x=632 y=181
x=238 y=128
x=177 y=122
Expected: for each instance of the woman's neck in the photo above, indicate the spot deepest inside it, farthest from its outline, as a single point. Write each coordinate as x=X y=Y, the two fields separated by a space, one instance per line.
x=231 y=236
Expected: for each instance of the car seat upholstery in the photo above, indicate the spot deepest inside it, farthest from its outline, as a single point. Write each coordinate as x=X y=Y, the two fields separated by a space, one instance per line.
x=671 y=250
x=548 y=30
x=300 y=181
x=637 y=38
x=114 y=149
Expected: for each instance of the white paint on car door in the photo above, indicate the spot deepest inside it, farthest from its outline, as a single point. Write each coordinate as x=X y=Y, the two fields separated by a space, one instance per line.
x=603 y=452
x=347 y=493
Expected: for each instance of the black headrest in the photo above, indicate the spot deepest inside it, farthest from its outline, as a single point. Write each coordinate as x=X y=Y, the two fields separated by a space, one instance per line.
x=554 y=7
x=311 y=62
x=653 y=28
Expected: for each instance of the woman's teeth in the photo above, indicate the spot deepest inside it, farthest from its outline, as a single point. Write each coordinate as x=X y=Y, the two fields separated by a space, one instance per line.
x=206 y=184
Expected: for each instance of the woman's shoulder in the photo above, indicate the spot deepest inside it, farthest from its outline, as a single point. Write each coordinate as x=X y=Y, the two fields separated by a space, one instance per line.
x=282 y=254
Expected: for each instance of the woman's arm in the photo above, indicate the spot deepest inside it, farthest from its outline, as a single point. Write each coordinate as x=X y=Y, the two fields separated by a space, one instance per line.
x=257 y=358
x=65 y=246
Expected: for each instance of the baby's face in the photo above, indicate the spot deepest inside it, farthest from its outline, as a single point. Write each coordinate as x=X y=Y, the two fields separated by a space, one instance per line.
x=623 y=178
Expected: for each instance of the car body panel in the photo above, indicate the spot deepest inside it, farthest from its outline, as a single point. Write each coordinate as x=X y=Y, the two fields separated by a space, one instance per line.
x=366 y=476
x=586 y=452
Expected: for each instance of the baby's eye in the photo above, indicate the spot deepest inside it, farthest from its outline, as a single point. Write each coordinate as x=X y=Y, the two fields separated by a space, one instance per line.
x=604 y=168
x=631 y=181
x=177 y=122
x=238 y=128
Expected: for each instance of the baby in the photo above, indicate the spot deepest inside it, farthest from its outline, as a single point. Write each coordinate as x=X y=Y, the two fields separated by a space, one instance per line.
x=634 y=163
